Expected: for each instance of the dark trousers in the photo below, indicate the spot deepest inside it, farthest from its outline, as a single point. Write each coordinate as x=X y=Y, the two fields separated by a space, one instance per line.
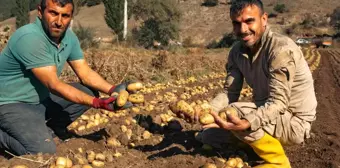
x=25 y=128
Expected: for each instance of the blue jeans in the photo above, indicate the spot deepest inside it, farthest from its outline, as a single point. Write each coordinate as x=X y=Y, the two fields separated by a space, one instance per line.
x=25 y=128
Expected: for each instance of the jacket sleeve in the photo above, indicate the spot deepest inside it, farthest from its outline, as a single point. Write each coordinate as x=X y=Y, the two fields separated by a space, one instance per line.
x=282 y=69
x=232 y=86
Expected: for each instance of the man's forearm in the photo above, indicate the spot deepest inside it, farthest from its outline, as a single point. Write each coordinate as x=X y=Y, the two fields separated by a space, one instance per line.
x=70 y=93
x=95 y=81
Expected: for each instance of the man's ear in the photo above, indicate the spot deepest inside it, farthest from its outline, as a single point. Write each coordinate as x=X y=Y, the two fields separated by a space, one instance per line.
x=40 y=12
x=264 y=18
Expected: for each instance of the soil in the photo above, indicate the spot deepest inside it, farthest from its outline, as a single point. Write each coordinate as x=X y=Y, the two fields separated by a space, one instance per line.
x=174 y=145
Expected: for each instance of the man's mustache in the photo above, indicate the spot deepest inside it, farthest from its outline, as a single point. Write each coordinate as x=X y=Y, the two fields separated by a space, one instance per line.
x=244 y=34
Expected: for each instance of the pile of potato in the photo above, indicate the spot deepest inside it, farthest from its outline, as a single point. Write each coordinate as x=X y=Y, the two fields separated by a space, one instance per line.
x=86 y=159
x=185 y=110
x=246 y=92
x=233 y=162
x=87 y=122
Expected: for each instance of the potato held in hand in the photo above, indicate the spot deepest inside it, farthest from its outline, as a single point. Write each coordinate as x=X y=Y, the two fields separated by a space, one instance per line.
x=136 y=98
x=182 y=108
x=228 y=110
x=122 y=98
x=206 y=119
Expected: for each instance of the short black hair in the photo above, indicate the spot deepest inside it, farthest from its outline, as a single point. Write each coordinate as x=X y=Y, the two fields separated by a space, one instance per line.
x=238 y=5
x=62 y=3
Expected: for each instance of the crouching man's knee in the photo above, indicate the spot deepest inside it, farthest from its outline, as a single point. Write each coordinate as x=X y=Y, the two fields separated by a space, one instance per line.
x=296 y=139
x=47 y=146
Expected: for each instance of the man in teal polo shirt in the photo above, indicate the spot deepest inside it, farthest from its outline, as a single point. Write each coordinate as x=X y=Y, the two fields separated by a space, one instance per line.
x=32 y=98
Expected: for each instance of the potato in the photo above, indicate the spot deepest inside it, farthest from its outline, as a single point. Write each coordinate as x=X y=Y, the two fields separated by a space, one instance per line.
x=182 y=107
x=84 y=117
x=133 y=87
x=100 y=157
x=97 y=163
x=19 y=166
x=209 y=165
x=117 y=154
x=206 y=119
x=232 y=162
x=228 y=110
x=206 y=107
x=239 y=165
x=76 y=166
x=128 y=133
x=65 y=162
x=135 y=109
x=123 y=128
x=73 y=125
x=80 y=159
x=122 y=98
x=90 y=156
x=68 y=163
x=86 y=166
x=112 y=142
x=146 y=135
x=136 y=98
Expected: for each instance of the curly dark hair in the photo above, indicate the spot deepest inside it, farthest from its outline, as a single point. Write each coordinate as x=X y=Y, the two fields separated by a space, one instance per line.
x=238 y=5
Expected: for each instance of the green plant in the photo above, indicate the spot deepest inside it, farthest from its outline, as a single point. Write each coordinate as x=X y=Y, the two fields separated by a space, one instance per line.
x=90 y=3
x=210 y=2
x=280 y=8
x=161 y=21
x=86 y=36
x=227 y=41
x=335 y=19
x=114 y=15
x=21 y=13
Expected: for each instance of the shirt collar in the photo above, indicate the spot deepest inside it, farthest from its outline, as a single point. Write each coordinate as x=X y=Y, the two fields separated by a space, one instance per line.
x=262 y=42
x=63 y=40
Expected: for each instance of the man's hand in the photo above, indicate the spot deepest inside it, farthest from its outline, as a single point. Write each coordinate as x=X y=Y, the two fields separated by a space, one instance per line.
x=234 y=123
x=104 y=103
x=109 y=103
x=120 y=87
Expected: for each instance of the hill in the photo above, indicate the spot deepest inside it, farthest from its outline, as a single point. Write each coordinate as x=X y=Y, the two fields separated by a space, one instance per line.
x=205 y=24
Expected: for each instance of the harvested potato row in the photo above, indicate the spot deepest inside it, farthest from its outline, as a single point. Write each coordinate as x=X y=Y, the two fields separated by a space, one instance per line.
x=62 y=162
x=136 y=98
x=236 y=163
x=203 y=109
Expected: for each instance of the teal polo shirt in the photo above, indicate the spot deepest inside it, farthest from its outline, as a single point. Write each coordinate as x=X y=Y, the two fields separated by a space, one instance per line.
x=29 y=47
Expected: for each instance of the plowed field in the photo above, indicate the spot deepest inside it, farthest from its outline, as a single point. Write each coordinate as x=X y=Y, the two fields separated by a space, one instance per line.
x=171 y=141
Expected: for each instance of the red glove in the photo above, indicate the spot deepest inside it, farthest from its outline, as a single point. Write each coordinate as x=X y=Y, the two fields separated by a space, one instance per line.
x=104 y=103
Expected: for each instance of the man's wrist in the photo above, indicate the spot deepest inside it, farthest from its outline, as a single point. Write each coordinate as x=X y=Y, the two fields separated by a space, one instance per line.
x=111 y=90
x=252 y=120
x=96 y=102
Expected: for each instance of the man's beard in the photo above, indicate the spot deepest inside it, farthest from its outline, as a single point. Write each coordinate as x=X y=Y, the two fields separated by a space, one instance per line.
x=52 y=36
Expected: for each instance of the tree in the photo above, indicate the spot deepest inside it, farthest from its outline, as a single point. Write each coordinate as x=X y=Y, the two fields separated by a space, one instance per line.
x=90 y=3
x=34 y=4
x=21 y=12
x=280 y=8
x=114 y=15
x=161 y=21
x=335 y=19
